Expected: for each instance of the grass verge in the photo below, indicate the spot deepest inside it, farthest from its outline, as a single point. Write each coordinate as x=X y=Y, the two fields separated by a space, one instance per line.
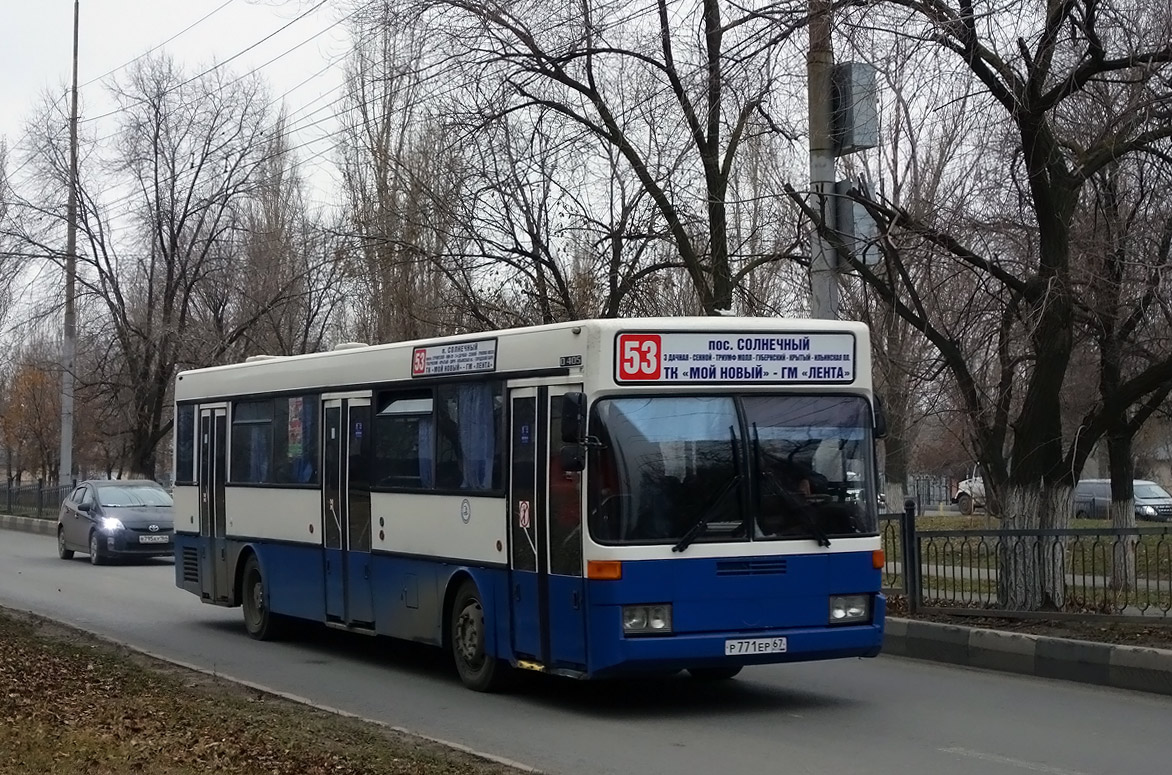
x=71 y=702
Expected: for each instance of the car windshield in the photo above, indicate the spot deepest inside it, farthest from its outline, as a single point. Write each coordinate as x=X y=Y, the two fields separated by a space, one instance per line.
x=1151 y=492
x=138 y=495
x=730 y=468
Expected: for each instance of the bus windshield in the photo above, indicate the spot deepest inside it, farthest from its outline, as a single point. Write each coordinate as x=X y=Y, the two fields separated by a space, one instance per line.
x=677 y=469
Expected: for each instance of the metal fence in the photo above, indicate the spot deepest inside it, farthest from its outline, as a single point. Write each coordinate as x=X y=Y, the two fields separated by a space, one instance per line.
x=1073 y=573
x=33 y=500
x=929 y=490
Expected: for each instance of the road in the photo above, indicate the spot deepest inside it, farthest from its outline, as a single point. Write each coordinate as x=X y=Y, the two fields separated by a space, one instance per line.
x=864 y=717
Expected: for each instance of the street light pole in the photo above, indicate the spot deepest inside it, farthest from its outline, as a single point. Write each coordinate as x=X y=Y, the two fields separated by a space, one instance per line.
x=69 y=339
x=819 y=85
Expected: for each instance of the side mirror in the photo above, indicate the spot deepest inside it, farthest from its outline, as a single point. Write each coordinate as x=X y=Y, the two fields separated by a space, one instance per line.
x=573 y=458
x=84 y=507
x=573 y=418
x=880 y=418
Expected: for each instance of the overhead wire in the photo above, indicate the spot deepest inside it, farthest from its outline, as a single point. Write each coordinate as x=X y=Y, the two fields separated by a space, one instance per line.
x=218 y=65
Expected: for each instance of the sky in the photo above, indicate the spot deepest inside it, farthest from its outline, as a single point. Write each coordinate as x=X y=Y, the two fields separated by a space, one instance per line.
x=36 y=38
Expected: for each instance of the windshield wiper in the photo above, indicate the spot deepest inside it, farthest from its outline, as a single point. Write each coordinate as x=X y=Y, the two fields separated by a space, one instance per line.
x=804 y=511
x=701 y=525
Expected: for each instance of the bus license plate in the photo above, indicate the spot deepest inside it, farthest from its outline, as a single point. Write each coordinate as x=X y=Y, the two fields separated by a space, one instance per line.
x=754 y=646
x=153 y=539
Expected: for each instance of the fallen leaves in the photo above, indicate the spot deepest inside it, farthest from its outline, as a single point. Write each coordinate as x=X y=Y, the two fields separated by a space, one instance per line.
x=70 y=703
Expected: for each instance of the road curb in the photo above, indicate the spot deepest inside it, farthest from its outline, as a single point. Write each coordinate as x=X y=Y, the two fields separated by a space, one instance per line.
x=28 y=524
x=1104 y=664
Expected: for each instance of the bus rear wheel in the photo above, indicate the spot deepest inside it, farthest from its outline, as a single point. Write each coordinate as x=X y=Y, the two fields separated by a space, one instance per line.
x=714 y=673
x=479 y=671
x=260 y=622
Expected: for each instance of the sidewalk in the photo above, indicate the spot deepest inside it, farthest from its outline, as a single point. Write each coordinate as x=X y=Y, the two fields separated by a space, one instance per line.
x=1105 y=664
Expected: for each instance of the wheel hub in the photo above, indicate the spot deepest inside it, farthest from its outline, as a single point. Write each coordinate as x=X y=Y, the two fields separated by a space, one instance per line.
x=469 y=627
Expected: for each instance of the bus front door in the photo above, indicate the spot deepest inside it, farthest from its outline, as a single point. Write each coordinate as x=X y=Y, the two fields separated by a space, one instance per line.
x=215 y=581
x=346 y=511
x=545 y=518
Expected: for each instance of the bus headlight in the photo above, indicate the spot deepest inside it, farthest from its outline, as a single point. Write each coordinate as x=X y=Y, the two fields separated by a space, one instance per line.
x=849 y=609
x=110 y=524
x=647 y=619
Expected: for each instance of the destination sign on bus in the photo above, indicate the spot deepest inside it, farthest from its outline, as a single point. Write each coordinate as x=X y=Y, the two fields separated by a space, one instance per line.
x=459 y=358
x=741 y=357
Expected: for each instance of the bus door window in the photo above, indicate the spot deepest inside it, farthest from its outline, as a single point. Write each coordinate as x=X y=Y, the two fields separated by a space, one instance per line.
x=565 y=504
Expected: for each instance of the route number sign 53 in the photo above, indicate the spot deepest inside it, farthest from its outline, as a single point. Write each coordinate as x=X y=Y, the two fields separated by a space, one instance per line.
x=639 y=356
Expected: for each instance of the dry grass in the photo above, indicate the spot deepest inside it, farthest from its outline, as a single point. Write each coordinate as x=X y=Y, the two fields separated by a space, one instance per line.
x=70 y=702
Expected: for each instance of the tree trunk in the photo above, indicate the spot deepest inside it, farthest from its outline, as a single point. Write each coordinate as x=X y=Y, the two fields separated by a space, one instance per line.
x=1123 y=554
x=1032 y=569
x=1122 y=508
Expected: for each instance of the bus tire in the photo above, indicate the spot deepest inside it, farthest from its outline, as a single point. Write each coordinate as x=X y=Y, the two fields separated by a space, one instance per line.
x=479 y=671
x=714 y=673
x=259 y=621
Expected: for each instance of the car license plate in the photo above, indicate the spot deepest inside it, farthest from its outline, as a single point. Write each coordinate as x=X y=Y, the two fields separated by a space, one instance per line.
x=154 y=539
x=754 y=646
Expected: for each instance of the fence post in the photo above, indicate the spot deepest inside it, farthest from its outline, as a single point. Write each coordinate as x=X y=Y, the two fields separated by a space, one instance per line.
x=911 y=557
x=40 y=495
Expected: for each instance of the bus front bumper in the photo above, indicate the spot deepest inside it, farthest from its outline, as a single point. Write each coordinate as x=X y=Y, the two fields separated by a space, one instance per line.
x=657 y=654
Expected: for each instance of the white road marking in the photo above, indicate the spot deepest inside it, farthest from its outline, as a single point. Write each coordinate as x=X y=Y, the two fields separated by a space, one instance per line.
x=1008 y=762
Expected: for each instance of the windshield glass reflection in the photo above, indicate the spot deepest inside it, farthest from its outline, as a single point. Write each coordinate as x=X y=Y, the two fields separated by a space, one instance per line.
x=681 y=469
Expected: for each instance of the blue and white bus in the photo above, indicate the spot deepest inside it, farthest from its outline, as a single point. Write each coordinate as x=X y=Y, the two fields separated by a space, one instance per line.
x=590 y=499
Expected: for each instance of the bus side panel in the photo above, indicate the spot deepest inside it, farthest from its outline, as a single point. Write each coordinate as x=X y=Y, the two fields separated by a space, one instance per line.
x=187 y=561
x=295 y=577
x=409 y=595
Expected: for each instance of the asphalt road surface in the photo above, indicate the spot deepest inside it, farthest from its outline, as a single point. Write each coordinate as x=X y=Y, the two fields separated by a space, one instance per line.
x=870 y=717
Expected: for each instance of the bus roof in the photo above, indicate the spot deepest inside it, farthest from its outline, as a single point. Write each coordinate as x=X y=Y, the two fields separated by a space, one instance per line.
x=526 y=349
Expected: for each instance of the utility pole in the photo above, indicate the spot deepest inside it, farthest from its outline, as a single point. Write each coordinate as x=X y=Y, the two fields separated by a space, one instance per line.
x=69 y=340
x=820 y=85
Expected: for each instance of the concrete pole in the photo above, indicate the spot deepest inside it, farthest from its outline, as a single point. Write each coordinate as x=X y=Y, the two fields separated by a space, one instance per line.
x=819 y=84
x=69 y=339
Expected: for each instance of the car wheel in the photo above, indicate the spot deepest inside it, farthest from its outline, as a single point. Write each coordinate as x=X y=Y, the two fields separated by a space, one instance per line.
x=479 y=671
x=62 y=552
x=260 y=622
x=1081 y=515
x=97 y=557
x=714 y=673
x=965 y=502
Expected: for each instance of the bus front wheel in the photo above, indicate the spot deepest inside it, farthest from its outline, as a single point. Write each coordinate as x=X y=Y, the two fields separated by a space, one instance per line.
x=479 y=671
x=260 y=622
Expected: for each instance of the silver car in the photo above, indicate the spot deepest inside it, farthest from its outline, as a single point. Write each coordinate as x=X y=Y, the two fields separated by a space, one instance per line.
x=116 y=518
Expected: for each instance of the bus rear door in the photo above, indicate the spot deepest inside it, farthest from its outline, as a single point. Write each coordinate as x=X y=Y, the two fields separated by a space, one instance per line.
x=214 y=579
x=346 y=510
x=545 y=517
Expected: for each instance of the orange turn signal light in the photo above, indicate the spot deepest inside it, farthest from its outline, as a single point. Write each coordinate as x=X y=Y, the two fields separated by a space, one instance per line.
x=610 y=570
x=878 y=559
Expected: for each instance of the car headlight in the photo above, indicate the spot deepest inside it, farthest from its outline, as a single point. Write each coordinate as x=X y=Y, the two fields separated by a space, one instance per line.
x=849 y=609
x=1145 y=511
x=110 y=524
x=647 y=619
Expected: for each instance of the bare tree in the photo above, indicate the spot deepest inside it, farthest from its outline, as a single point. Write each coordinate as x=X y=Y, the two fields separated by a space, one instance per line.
x=1042 y=76
x=288 y=268
x=675 y=105
x=160 y=218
